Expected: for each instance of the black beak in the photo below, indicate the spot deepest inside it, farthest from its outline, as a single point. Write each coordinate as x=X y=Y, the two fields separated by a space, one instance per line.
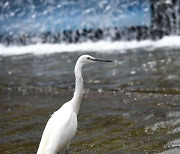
x=101 y=60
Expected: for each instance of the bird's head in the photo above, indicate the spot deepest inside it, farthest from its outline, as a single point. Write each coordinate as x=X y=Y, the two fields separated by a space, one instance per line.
x=85 y=59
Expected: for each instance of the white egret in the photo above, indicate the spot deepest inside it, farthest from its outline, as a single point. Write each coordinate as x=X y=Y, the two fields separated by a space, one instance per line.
x=62 y=126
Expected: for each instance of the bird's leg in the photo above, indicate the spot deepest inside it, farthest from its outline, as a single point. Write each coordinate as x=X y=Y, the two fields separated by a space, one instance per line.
x=66 y=152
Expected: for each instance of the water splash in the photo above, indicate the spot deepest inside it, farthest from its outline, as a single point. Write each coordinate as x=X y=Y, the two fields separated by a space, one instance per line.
x=100 y=46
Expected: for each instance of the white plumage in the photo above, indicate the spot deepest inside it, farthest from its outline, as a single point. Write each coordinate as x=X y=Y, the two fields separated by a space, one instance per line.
x=62 y=126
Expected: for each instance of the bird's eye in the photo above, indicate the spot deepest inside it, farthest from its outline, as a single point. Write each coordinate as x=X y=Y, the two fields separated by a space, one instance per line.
x=88 y=58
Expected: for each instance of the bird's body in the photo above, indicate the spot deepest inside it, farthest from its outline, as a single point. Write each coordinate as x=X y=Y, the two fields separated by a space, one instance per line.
x=62 y=126
x=59 y=131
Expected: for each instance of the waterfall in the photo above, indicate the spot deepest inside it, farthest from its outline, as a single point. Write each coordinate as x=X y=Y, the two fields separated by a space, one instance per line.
x=166 y=17
x=57 y=21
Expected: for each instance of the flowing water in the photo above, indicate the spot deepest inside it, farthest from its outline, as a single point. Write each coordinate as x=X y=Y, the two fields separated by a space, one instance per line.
x=130 y=105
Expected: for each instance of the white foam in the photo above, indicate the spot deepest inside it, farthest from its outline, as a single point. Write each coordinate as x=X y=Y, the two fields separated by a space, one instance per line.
x=101 y=46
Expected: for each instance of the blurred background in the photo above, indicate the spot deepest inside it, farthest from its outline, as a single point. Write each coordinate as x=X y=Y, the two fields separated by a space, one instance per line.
x=129 y=106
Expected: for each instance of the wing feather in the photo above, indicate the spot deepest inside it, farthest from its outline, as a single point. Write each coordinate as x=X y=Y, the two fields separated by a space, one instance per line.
x=59 y=131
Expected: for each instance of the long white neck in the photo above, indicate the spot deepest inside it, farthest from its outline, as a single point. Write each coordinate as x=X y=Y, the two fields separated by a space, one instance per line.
x=78 y=94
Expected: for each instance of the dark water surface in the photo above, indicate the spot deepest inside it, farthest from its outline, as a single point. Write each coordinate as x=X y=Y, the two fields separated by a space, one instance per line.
x=130 y=106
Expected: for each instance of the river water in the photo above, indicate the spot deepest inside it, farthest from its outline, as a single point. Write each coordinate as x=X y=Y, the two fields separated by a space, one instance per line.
x=130 y=105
